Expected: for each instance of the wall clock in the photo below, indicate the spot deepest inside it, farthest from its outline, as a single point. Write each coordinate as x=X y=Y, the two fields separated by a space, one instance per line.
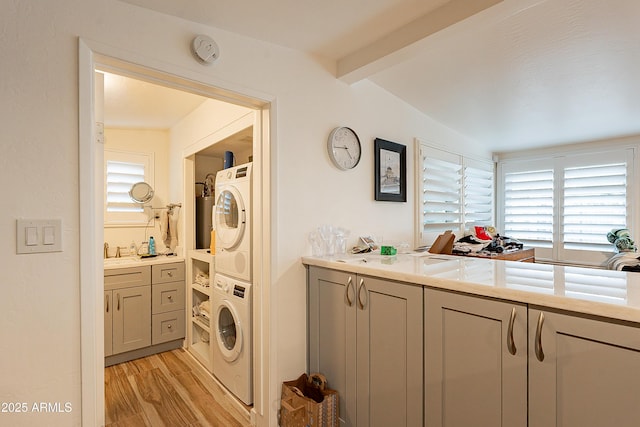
x=344 y=148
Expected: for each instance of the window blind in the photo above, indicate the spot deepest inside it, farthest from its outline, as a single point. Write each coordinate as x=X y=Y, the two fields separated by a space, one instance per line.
x=441 y=201
x=595 y=201
x=528 y=206
x=478 y=194
x=119 y=178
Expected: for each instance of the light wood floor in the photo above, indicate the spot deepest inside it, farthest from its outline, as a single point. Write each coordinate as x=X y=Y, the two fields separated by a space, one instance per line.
x=168 y=389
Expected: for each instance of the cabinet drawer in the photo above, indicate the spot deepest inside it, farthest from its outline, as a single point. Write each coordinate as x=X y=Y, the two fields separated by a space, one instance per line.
x=167 y=326
x=163 y=273
x=120 y=278
x=167 y=297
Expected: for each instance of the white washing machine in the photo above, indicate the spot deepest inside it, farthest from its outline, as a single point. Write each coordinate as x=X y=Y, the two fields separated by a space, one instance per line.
x=232 y=353
x=232 y=220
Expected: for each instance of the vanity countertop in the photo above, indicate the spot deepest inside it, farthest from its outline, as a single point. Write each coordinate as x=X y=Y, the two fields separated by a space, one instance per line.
x=607 y=293
x=125 y=262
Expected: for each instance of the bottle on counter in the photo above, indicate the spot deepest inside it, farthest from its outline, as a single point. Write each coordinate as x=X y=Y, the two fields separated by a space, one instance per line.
x=133 y=249
x=152 y=246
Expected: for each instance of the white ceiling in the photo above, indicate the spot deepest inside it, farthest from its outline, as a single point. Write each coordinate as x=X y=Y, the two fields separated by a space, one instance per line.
x=519 y=74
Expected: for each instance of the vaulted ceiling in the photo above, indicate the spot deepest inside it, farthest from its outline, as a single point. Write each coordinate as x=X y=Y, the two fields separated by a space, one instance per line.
x=507 y=73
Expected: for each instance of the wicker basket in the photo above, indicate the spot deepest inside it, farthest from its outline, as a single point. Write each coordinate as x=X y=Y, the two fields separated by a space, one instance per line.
x=307 y=402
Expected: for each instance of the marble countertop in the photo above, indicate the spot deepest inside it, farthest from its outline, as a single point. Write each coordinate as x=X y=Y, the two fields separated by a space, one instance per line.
x=125 y=262
x=607 y=293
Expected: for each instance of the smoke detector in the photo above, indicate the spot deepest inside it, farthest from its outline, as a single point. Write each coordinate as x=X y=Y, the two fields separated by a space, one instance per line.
x=205 y=50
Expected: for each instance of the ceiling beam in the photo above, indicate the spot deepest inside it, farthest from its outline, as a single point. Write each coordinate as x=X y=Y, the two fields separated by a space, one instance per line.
x=389 y=49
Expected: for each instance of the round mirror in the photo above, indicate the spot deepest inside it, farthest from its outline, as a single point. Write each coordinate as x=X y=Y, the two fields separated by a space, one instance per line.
x=141 y=192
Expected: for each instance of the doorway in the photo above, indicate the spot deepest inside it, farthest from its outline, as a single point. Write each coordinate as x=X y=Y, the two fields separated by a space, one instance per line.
x=92 y=218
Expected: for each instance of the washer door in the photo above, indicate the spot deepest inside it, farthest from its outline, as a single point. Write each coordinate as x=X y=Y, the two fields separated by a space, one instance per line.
x=229 y=331
x=230 y=218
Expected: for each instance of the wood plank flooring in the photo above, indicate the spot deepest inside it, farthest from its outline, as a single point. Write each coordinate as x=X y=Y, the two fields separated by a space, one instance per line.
x=168 y=389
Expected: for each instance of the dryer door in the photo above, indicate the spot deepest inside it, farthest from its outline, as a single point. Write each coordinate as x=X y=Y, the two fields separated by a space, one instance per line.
x=229 y=334
x=230 y=218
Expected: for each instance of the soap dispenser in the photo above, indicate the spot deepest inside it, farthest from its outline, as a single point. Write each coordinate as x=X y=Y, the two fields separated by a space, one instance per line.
x=152 y=246
x=133 y=249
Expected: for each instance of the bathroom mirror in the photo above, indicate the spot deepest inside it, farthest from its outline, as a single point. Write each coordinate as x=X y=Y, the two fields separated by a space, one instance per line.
x=141 y=192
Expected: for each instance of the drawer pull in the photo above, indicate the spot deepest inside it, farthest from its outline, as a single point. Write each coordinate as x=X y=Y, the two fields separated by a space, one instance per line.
x=169 y=326
x=511 y=345
x=346 y=291
x=538 y=345
x=361 y=287
x=170 y=297
x=170 y=273
x=107 y=302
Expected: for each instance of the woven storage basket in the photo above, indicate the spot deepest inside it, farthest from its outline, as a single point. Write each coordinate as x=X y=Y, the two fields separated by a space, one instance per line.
x=307 y=402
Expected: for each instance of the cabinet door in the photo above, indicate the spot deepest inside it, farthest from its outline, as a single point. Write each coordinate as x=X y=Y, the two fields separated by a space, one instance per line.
x=108 y=326
x=332 y=335
x=472 y=377
x=389 y=353
x=589 y=374
x=131 y=318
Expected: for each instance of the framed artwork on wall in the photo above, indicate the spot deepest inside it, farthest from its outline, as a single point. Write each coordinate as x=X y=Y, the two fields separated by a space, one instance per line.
x=390 y=171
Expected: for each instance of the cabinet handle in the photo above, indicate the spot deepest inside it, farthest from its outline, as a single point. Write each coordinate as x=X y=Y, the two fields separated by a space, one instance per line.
x=170 y=297
x=169 y=326
x=346 y=291
x=539 y=352
x=170 y=273
x=361 y=287
x=118 y=306
x=511 y=345
x=107 y=302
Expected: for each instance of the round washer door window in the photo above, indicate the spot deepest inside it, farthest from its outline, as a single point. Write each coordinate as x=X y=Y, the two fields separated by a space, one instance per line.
x=229 y=218
x=229 y=333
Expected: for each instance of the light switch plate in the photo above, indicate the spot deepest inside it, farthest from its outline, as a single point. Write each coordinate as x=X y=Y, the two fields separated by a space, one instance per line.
x=35 y=236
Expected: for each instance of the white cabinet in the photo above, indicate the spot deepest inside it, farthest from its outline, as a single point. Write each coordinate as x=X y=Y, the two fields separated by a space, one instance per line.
x=366 y=337
x=167 y=302
x=131 y=318
x=127 y=309
x=475 y=361
x=108 y=323
x=144 y=310
x=494 y=362
x=582 y=371
x=200 y=277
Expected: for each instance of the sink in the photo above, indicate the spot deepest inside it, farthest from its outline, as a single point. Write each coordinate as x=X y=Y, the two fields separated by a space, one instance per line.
x=123 y=260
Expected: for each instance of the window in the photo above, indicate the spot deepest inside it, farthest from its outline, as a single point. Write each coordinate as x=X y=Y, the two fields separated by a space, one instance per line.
x=123 y=169
x=454 y=193
x=564 y=205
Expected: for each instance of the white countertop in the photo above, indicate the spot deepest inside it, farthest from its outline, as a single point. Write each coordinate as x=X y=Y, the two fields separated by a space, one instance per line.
x=125 y=262
x=607 y=293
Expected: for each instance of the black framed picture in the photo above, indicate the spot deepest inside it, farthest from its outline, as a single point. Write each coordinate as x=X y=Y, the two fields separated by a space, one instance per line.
x=390 y=171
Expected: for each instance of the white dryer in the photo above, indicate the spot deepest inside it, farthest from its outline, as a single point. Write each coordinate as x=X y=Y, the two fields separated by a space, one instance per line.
x=232 y=220
x=232 y=352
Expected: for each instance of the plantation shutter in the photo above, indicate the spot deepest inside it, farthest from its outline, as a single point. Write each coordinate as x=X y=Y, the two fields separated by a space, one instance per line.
x=528 y=206
x=478 y=193
x=595 y=201
x=454 y=193
x=441 y=192
x=120 y=177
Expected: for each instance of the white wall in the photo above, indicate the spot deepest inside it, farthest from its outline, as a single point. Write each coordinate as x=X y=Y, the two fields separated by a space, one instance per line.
x=39 y=168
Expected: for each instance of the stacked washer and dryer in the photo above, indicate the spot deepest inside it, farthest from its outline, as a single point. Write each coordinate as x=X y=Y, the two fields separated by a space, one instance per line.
x=232 y=296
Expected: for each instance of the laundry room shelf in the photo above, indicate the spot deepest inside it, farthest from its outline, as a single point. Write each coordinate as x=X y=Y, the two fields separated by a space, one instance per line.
x=201 y=268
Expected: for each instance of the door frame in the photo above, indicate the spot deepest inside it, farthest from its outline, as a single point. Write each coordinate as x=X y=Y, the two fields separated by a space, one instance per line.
x=94 y=55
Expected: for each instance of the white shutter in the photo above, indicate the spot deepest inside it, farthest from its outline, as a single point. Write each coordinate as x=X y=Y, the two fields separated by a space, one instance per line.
x=454 y=192
x=528 y=206
x=120 y=177
x=478 y=193
x=441 y=191
x=121 y=170
x=595 y=201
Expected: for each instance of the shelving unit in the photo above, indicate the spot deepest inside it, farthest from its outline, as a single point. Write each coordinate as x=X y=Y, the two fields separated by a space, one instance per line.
x=200 y=336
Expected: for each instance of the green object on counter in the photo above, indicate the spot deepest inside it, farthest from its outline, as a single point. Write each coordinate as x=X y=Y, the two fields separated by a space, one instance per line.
x=388 y=250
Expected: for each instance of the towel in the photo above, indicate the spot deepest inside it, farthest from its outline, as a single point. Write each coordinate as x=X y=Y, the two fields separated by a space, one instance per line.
x=164 y=228
x=172 y=229
x=169 y=228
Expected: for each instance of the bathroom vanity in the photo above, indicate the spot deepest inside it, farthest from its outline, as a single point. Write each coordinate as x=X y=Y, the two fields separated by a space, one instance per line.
x=144 y=308
x=420 y=339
